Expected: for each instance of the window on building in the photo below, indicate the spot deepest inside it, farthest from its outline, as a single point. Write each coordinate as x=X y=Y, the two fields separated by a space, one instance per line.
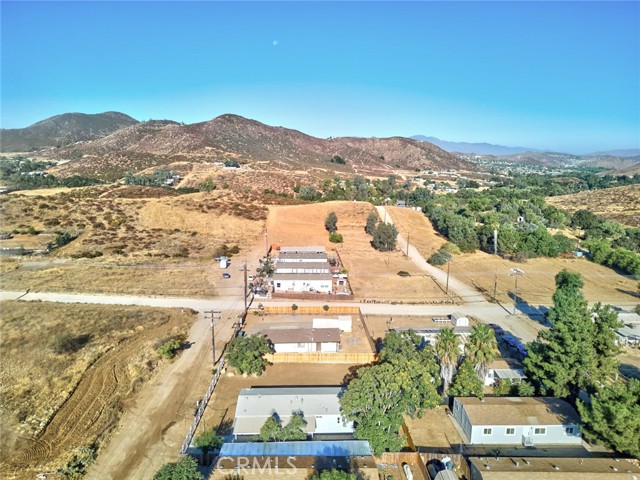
x=278 y=285
x=540 y=431
x=301 y=345
x=486 y=431
x=511 y=431
x=568 y=430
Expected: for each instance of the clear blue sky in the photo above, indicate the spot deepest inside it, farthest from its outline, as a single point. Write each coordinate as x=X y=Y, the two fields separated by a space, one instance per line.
x=554 y=75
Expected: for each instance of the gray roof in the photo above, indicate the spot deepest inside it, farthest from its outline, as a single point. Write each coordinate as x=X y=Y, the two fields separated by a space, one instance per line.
x=255 y=405
x=304 y=249
x=519 y=411
x=302 y=335
x=280 y=264
x=302 y=276
x=629 y=330
x=303 y=255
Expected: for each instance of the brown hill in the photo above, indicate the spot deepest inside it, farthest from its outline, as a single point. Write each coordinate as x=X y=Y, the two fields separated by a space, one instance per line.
x=62 y=130
x=260 y=146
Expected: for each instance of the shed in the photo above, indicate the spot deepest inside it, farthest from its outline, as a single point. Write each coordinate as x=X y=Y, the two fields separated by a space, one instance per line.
x=459 y=319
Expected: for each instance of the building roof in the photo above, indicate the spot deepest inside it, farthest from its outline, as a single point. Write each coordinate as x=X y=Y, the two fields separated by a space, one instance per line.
x=519 y=411
x=629 y=330
x=255 y=405
x=280 y=264
x=303 y=249
x=339 y=448
x=553 y=468
x=284 y=400
x=302 y=335
x=302 y=276
x=302 y=256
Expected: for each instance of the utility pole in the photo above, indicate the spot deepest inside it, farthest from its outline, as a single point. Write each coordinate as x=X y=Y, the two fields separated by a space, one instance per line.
x=266 y=243
x=448 y=270
x=516 y=272
x=245 y=286
x=495 y=286
x=212 y=316
x=408 y=236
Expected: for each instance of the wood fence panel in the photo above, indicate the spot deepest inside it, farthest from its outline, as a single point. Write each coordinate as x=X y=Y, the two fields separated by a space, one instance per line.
x=321 y=357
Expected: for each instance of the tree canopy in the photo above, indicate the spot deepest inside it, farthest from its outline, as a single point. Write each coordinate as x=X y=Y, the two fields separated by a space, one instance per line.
x=246 y=354
x=372 y=221
x=613 y=416
x=331 y=222
x=578 y=351
x=447 y=350
x=208 y=441
x=334 y=475
x=404 y=382
x=481 y=348
x=185 y=469
x=467 y=383
x=274 y=431
x=384 y=237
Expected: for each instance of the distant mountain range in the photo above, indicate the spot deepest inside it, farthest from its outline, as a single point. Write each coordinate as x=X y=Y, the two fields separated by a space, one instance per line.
x=62 y=130
x=136 y=146
x=478 y=148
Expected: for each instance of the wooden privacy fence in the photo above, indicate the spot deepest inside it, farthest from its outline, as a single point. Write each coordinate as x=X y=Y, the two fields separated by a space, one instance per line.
x=312 y=309
x=321 y=357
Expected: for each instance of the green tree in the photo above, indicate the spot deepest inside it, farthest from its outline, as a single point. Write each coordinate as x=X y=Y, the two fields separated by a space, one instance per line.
x=481 y=348
x=246 y=354
x=331 y=222
x=335 y=237
x=185 y=469
x=402 y=383
x=613 y=416
x=169 y=348
x=271 y=429
x=78 y=464
x=447 y=350
x=372 y=221
x=385 y=236
x=503 y=388
x=467 y=383
x=208 y=441
x=606 y=322
x=294 y=430
x=568 y=357
x=334 y=475
x=525 y=389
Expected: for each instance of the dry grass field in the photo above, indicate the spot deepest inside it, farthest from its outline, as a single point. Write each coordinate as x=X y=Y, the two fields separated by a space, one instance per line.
x=54 y=402
x=136 y=240
x=372 y=274
x=537 y=285
x=418 y=228
x=621 y=204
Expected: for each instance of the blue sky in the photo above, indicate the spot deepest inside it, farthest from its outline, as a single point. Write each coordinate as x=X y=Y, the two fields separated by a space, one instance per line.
x=555 y=75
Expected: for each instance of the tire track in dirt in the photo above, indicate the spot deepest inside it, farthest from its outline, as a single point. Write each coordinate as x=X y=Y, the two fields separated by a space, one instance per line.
x=89 y=413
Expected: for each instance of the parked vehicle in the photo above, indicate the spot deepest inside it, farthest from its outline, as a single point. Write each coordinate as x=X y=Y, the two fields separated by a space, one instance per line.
x=226 y=275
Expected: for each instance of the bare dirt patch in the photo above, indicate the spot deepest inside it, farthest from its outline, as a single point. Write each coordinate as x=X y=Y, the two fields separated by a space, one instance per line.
x=536 y=287
x=55 y=402
x=434 y=430
x=621 y=204
x=372 y=274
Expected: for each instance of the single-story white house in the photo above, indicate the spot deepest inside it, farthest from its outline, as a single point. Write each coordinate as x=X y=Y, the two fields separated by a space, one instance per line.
x=504 y=369
x=524 y=421
x=302 y=282
x=303 y=340
x=320 y=407
x=628 y=334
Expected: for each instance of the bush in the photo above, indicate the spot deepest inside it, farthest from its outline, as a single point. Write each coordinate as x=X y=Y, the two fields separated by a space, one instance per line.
x=79 y=462
x=326 y=307
x=439 y=258
x=335 y=237
x=67 y=343
x=402 y=273
x=208 y=441
x=246 y=354
x=294 y=307
x=185 y=469
x=169 y=348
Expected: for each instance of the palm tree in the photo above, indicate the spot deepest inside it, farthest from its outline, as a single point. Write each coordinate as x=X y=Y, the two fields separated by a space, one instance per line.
x=447 y=350
x=481 y=348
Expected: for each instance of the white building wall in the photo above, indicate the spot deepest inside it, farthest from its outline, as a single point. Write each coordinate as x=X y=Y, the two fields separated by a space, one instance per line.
x=553 y=435
x=329 y=347
x=294 y=347
x=302 y=285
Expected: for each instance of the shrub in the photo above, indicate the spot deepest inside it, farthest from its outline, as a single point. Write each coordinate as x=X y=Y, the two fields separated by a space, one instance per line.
x=77 y=466
x=67 y=343
x=439 y=258
x=326 y=307
x=294 y=307
x=169 y=348
x=335 y=237
x=208 y=441
x=402 y=273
